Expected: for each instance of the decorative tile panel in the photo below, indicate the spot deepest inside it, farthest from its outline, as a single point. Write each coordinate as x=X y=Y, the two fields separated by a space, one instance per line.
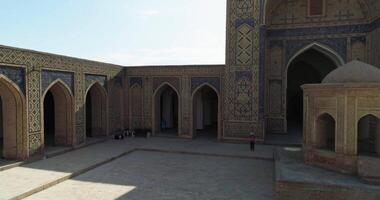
x=337 y=44
x=92 y=78
x=135 y=81
x=49 y=76
x=174 y=81
x=197 y=81
x=16 y=74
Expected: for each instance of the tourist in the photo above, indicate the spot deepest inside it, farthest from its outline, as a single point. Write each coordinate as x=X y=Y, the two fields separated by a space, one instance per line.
x=252 y=140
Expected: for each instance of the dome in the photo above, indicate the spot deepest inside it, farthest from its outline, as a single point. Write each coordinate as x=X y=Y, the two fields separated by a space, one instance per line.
x=354 y=72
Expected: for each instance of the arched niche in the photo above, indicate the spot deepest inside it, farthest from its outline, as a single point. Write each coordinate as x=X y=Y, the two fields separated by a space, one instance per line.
x=308 y=66
x=13 y=120
x=326 y=132
x=205 y=111
x=96 y=111
x=166 y=110
x=58 y=115
x=368 y=136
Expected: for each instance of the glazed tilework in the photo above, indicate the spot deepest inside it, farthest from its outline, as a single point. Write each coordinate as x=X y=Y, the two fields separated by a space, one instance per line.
x=49 y=76
x=16 y=74
x=262 y=37
x=135 y=81
x=197 y=81
x=173 y=81
x=91 y=78
x=337 y=44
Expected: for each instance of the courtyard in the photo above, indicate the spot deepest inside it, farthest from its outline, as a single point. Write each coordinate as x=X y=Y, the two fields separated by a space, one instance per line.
x=155 y=168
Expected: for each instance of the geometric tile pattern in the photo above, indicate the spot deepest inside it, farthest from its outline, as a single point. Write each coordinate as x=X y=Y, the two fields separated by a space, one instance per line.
x=243 y=96
x=244 y=45
x=174 y=81
x=92 y=78
x=197 y=81
x=49 y=76
x=135 y=81
x=16 y=74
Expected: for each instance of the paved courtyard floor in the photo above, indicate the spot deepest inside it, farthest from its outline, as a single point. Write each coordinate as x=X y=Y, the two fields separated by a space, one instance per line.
x=157 y=175
x=138 y=168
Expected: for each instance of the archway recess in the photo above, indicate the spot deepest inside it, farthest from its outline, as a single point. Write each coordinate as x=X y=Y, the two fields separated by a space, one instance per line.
x=96 y=111
x=308 y=66
x=368 y=138
x=325 y=127
x=58 y=110
x=166 y=109
x=205 y=112
x=13 y=121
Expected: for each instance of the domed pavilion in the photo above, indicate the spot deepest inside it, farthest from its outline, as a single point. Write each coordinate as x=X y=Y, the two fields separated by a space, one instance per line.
x=341 y=121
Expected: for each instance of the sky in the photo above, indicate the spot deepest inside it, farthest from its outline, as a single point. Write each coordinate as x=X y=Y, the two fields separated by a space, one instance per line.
x=125 y=32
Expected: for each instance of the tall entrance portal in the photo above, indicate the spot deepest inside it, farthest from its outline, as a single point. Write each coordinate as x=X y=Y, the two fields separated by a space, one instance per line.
x=309 y=67
x=205 y=113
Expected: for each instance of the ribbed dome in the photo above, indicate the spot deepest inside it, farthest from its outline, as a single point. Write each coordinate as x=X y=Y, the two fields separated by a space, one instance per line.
x=354 y=72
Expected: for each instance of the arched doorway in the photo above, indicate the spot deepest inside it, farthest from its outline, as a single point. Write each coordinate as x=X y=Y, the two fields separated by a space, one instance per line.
x=58 y=115
x=368 y=139
x=12 y=134
x=308 y=67
x=325 y=128
x=96 y=113
x=166 y=111
x=205 y=111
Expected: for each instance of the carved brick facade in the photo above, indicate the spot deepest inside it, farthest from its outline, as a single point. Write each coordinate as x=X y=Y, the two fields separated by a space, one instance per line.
x=263 y=37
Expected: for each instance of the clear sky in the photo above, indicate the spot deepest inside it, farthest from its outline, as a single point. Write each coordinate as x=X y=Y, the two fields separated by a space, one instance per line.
x=126 y=32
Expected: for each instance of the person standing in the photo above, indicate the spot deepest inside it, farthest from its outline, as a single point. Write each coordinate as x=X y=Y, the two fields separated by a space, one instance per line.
x=252 y=141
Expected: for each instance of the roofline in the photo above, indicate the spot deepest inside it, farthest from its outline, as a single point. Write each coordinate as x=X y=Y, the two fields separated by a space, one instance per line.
x=57 y=55
x=105 y=63
x=176 y=66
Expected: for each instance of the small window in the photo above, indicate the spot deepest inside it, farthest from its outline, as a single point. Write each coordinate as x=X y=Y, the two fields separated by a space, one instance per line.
x=316 y=7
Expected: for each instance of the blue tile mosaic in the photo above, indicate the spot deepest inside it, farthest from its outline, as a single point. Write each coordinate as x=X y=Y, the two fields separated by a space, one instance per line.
x=197 y=81
x=49 y=76
x=249 y=21
x=91 y=78
x=16 y=74
x=344 y=29
x=135 y=80
x=337 y=44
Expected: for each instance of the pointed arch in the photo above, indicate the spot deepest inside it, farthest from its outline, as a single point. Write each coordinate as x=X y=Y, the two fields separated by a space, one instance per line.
x=195 y=94
x=96 y=102
x=326 y=131
x=325 y=50
x=308 y=66
x=63 y=112
x=156 y=107
x=368 y=135
x=13 y=106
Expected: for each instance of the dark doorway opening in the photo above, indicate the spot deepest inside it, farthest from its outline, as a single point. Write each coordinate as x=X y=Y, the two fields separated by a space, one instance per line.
x=88 y=116
x=49 y=119
x=205 y=113
x=1 y=129
x=307 y=68
x=368 y=136
x=168 y=112
x=96 y=119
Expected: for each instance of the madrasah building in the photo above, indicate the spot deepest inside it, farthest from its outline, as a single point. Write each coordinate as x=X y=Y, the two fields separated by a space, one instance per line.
x=273 y=47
